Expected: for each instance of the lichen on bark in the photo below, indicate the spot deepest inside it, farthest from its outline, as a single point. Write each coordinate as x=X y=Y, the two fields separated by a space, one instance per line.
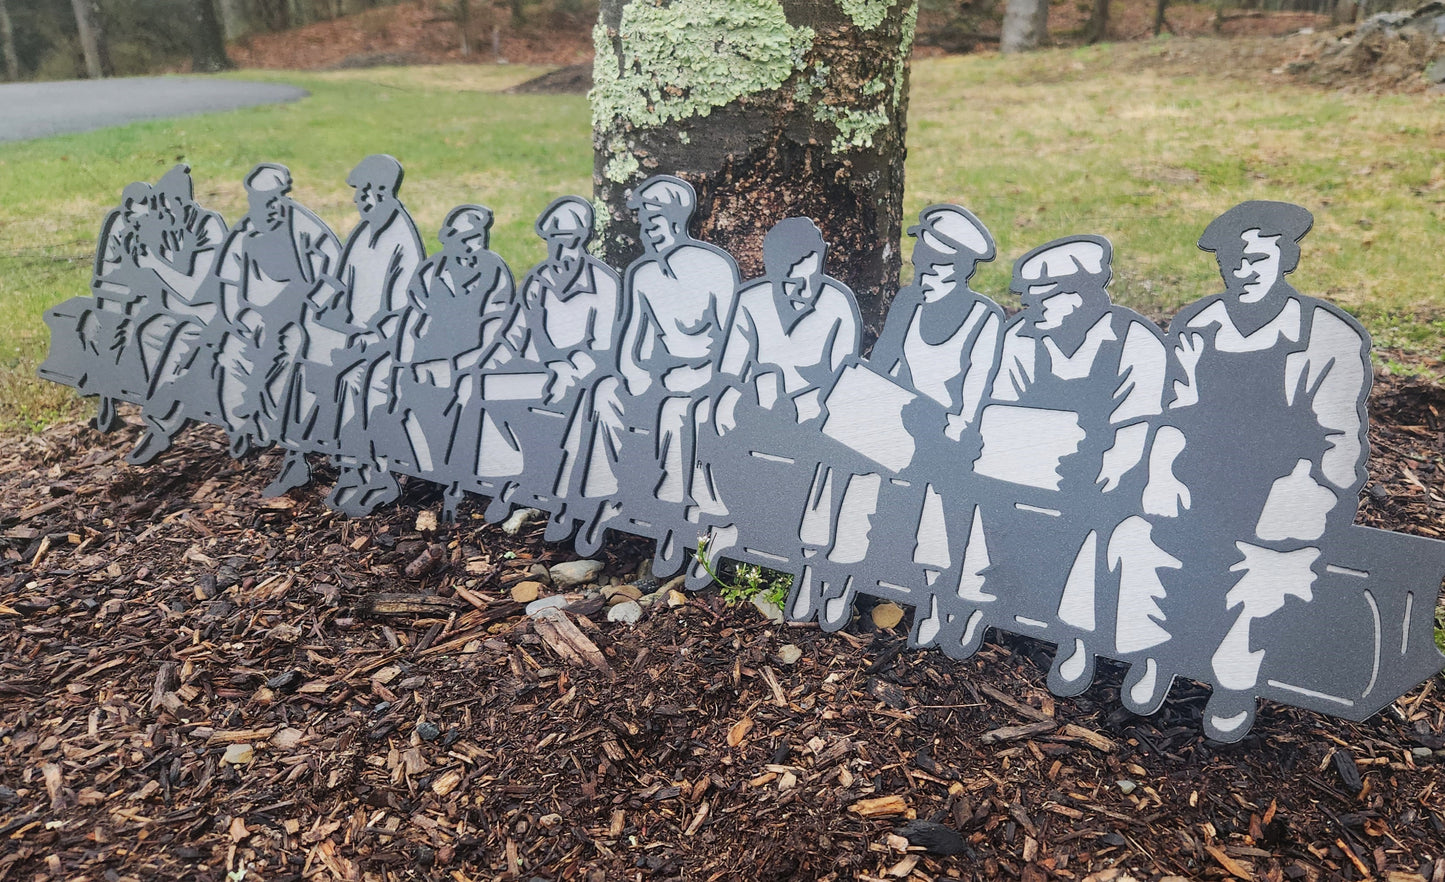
x=683 y=59
x=771 y=108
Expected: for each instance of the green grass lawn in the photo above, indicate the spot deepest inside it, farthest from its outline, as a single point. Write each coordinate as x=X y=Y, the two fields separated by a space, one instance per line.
x=1060 y=142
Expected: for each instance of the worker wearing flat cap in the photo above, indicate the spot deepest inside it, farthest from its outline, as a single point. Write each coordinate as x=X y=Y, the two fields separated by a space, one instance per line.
x=1267 y=415
x=680 y=294
x=572 y=318
x=941 y=338
x=459 y=305
x=278 y=262
x=940 y=348
x=1066 y=434
x=381 y=256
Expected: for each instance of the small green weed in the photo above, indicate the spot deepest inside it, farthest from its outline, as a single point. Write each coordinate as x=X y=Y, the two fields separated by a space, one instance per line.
x=748 y=580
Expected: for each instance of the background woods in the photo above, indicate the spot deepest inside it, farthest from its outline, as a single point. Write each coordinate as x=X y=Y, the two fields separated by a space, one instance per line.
x=64 y=39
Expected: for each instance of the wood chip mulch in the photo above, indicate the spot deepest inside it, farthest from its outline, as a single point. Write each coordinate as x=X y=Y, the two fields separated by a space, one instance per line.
x=199 y=684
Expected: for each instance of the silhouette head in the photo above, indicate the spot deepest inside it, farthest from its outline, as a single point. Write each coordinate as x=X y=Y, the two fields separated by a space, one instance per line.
x=466 y=233
x=1256 y=243
x=135 y=199
x=794 y=249
x=566 y=223
x=950 y=243
x=1066 y=277
x=664 y=205
x=377 y=178
x=266 y=189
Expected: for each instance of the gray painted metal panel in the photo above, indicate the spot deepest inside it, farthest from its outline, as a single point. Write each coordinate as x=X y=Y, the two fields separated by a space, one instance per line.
x=1181 y=502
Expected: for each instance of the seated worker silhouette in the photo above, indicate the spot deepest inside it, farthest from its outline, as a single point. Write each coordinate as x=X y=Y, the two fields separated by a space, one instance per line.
x=182 y=252
x=275 y=270
x=572 y=318
x=1269 y=438
x=793 y=331
x=680 y=294
x=381 y=256
x=1066 y=434
x=459 y=307
x=922 y=383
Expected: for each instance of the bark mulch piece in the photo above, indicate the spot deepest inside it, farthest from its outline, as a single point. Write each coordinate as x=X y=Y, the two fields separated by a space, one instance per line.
x=196 y=683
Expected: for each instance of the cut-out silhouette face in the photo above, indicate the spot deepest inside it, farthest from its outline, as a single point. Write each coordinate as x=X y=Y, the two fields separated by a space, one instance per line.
x=376 y=180
x=1256 y=243
x=1062 y=286
x=664 y=206
x=266 y=189
x=1259 y=266
x=466 y=234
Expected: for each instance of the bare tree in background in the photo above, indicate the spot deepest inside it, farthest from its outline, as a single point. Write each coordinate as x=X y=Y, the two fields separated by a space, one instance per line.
x=92 y=38
x=1025 y=24
x=208 y=53
x=7 y=43
x=1097 y=27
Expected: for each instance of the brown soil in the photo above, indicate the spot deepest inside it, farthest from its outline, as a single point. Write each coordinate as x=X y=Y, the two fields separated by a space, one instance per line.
x=404 y=720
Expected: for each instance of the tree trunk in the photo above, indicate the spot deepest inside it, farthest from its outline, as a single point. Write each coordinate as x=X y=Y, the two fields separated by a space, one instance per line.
x=1159 y=21
x=92 y=38
x=1025 y=25
x=235 y=19
x=464 y=24
x=770 y=110
x=1098 y=26
x=7 y=44
x=208 y=45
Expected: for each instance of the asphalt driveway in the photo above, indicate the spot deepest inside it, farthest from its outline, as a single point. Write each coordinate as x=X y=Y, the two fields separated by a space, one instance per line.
x=38 y=110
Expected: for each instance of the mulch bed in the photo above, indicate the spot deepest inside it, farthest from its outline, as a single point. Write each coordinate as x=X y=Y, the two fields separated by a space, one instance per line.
x=196 y=683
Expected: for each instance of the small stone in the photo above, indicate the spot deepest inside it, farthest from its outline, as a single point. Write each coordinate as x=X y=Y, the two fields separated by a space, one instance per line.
x=1421 y=752
x=628 y=612
x=526 y=592
x=675 y=583
x=647 y=600
x=575 y=572
x=426 y=730
x=626 y=592
x=769 y=609
x=1126 y=786
x=887 y=615
x=676 y=598
x=284 y=634
x=426 y=521
x=542 y=604
x=540 y=572
x=514 y=524
x=789 y=654
x=550 y=821
x=239 y=754
x=287 y=739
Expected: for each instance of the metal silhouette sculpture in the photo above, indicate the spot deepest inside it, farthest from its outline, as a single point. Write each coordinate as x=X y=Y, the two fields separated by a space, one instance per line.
x=1180 y=502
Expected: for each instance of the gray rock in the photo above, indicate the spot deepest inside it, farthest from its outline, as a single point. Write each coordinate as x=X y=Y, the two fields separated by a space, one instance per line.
x=543 y=604
x=1435 y=73
x=514 y=524
x=628 y=612
x=575 y=572
x=426 y=730
x=789 y=654
x=769 y=609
